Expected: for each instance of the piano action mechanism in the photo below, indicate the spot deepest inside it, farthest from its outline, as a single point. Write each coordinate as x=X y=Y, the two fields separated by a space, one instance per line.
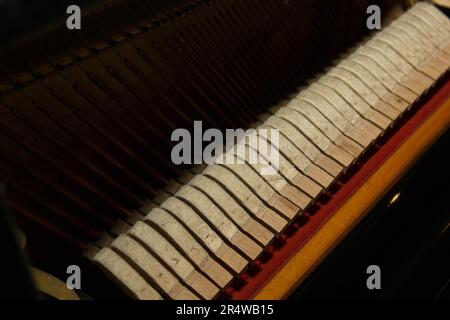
x=87 y=116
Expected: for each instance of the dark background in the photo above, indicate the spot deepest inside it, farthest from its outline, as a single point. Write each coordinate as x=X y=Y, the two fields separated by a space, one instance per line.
x=20 y=16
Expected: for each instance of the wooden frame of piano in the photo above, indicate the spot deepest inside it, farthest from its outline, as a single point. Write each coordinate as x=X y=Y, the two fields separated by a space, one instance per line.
x=316 y=234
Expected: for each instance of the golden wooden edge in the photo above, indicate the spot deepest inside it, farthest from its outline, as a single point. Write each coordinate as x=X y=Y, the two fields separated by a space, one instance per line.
x=52 y=286
x=297 y=269
x=443 y=3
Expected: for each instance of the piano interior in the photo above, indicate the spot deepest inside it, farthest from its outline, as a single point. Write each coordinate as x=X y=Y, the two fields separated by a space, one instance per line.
x=87 y=123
